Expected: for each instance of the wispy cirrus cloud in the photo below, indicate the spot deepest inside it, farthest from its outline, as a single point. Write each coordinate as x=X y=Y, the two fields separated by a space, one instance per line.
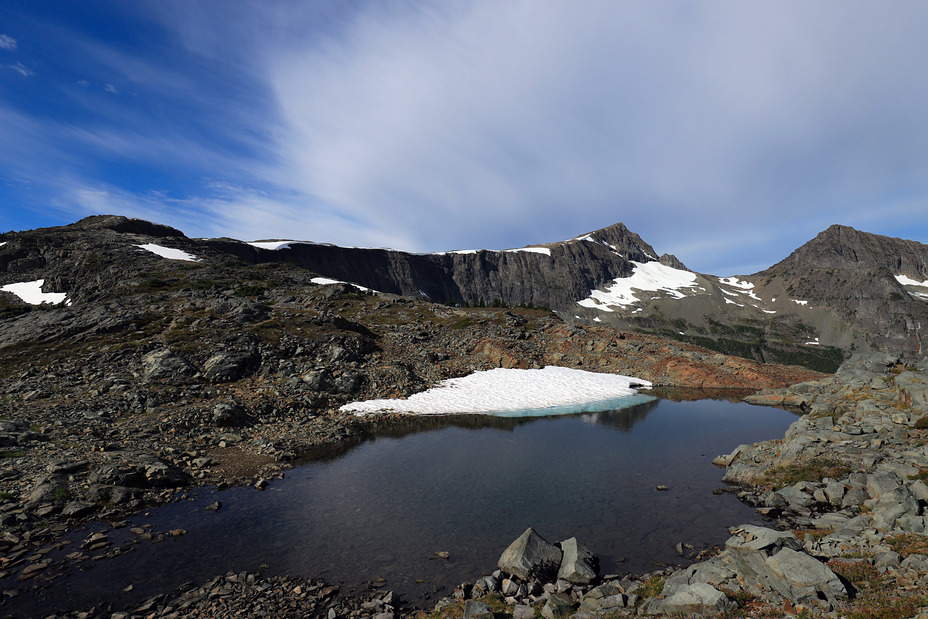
x=7 y=42
x=429 y=126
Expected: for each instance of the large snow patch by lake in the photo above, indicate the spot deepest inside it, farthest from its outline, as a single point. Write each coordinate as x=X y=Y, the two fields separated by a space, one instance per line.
x=31 y=292
x=517 y=393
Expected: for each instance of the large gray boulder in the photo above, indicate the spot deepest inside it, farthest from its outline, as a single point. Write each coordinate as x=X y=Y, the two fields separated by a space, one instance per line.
x=751 y=545
x=531 y=557
x=579 y=565
x=802 y=578
x=775 y=560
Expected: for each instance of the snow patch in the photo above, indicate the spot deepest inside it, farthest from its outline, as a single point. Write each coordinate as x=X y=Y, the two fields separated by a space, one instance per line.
x=814 y=343
x=737 y=283
x=3 y=243
x=533 y=250
x=908 y=281
x=167 y=252
x=31 y=293
x=798 y=302
x=325 y=281
x=274 y=245
x=769 y=311
x=648 y=276
x=510 y=392
x=733 y=303
x=597 y=319
x=585 y=237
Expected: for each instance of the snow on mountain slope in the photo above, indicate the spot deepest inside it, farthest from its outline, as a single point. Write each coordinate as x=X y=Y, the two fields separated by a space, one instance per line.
x=647 y=277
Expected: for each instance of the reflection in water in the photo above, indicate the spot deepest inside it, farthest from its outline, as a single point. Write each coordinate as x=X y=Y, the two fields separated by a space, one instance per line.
x=465 y=485
x=623 y=419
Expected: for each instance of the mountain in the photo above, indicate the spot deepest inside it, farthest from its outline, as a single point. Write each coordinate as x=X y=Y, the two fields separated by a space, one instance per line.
x=843 y=291
x=551 y=275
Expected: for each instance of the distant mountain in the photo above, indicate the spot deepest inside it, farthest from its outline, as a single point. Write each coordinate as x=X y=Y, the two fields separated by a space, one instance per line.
x=843 y=291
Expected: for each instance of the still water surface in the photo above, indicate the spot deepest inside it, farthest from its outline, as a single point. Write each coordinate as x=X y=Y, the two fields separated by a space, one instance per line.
x=465 y=486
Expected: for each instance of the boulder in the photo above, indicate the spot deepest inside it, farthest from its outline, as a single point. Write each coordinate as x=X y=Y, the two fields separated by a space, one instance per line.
x=802 y=578
x=166 y=366
x=556 y=607
x=227 y=415
x=474 y=609
x=228 y=365
x=750 y=547
x=603 y=599
x=531 y=557
x=698 y=599
x=578 y=565
x=880 y=484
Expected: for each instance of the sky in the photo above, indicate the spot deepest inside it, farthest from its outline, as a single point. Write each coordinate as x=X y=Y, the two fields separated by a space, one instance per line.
x=727 y=133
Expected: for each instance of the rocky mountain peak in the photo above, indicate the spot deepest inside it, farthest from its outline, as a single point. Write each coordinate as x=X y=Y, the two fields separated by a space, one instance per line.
x=624 y=241
x=843 y=247
x=129 y=225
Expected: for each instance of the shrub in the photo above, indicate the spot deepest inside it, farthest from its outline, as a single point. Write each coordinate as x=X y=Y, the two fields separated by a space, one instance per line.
x=922 y=424
x=815 y=469
x=908 y=543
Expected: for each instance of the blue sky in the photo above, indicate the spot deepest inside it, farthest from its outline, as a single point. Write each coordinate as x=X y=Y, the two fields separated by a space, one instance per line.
x=726 y=132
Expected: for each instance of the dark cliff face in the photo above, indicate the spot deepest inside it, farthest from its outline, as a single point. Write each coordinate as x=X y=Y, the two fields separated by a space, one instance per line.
x=555 y=275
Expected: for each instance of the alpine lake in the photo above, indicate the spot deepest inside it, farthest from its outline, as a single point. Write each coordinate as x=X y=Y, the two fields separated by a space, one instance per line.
x=386 y=512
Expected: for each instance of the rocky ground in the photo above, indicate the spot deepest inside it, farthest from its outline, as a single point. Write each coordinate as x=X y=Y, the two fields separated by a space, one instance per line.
x=104 y=426
x=180 y=376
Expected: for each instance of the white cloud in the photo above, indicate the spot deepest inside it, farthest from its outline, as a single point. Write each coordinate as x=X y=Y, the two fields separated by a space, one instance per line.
x=537 y=120
x=727 y=133
x=21 y=69
x=7 y=42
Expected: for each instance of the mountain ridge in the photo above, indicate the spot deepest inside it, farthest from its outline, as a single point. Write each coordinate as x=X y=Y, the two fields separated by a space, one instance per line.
x=843 y=291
